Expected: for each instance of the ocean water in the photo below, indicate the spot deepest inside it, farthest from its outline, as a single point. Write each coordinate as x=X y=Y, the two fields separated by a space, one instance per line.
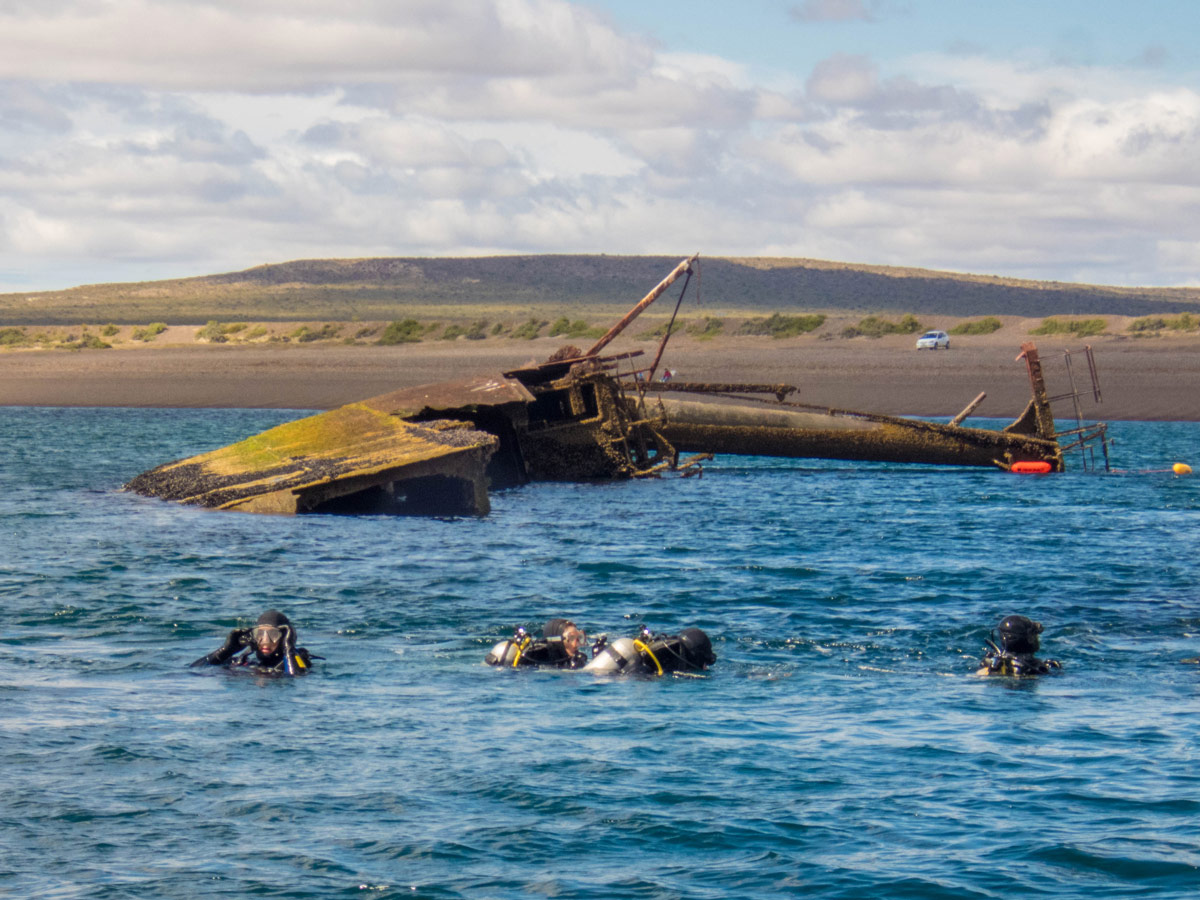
x=839 y=748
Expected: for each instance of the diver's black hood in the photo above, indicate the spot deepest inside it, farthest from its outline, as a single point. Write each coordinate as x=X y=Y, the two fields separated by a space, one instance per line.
x=697 y=648
x=273 y=617
x=555 y=628
x=1019 y=634
x=552 y=632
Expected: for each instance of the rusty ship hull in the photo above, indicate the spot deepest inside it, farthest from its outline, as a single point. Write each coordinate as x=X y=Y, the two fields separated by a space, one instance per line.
x=580 y=416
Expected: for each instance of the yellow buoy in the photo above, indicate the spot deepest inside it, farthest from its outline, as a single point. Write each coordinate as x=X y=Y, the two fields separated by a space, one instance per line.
x=1181 y=469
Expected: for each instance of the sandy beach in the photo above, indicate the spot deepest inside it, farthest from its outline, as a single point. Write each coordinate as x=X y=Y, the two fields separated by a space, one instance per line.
x=1147 y=379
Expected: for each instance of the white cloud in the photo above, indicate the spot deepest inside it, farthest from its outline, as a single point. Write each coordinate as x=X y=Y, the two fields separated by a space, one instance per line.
x=144 y=139
x=1152 y=138
x=280 y=47
x=843 y=79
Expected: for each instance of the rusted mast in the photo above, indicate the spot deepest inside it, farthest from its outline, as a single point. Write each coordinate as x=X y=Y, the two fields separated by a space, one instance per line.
x=679 y=270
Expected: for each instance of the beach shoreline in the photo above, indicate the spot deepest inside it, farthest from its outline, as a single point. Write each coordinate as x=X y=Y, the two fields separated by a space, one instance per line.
x=1156 y=379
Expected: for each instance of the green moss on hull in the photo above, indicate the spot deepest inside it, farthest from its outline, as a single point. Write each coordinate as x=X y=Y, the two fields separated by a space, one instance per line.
x=349 y=450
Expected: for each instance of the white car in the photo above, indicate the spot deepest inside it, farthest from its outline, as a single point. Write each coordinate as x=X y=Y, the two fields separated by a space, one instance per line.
x=932 y=340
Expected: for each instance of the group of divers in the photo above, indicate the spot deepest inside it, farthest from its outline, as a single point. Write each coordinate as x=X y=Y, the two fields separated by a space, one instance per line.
x=271 y=647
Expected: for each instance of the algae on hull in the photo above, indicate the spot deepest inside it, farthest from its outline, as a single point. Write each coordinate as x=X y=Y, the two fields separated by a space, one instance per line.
x=353 y=458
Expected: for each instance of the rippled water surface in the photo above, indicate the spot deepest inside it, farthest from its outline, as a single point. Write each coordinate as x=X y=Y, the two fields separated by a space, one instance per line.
x=839 y=748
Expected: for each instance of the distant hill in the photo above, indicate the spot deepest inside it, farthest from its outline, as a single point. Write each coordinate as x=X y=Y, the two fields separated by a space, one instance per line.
x=390 y=288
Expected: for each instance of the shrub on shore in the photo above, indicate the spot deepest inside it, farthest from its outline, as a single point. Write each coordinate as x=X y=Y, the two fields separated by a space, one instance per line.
x=986 y=325
x=577 y=329
x=13 y=337
x=1076 y=327
x=213 y=333
x=405 y=332
x=656 y=333
x=86 y=341
x=149 y=332
x=305 y=335
x=1155 y=324
x=476 y=331
x=780 y=326
x=529 y=330
x=706 y=329
x=875 y=327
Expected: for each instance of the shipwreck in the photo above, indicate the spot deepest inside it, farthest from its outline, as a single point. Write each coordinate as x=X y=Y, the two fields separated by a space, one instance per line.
x=585 y=415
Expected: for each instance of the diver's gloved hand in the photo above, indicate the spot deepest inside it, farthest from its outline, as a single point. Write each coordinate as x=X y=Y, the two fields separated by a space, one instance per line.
x=237 y=639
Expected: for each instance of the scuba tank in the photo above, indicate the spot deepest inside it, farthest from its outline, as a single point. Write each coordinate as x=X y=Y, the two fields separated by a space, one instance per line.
x=510 y=652
x=654 y=654
x=620 y=657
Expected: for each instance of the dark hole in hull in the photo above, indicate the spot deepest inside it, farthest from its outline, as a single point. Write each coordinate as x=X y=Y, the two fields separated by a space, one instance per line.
x=434 y=495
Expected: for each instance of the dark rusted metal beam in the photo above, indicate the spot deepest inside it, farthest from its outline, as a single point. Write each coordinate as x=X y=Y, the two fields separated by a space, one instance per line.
x=1043 y=417
x=970 y=408
x=679 y=270
x=706 y=387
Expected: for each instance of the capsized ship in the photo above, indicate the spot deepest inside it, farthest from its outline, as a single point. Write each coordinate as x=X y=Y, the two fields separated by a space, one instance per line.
x=582 y=416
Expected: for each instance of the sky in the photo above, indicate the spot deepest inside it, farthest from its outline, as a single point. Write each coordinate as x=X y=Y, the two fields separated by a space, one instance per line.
x=149 y=139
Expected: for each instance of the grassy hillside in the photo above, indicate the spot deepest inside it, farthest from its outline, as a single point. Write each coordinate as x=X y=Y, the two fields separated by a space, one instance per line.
x=548 y=285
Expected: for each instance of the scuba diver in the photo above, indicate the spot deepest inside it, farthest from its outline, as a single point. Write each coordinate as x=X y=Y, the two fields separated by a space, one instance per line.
x=1018 y=642
x=270 y=646
x=653 y=654
x=560 y=647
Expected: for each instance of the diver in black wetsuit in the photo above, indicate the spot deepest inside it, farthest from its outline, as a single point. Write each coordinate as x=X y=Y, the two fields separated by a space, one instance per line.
x=559 y=647
x=654 y=654
x=270 y=646
x=1018 y=642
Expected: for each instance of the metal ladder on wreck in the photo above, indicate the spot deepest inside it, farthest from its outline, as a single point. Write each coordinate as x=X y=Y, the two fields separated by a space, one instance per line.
x=1085 y=437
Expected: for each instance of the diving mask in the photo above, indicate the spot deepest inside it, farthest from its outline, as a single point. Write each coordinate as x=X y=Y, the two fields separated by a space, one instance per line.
x=269 y=634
